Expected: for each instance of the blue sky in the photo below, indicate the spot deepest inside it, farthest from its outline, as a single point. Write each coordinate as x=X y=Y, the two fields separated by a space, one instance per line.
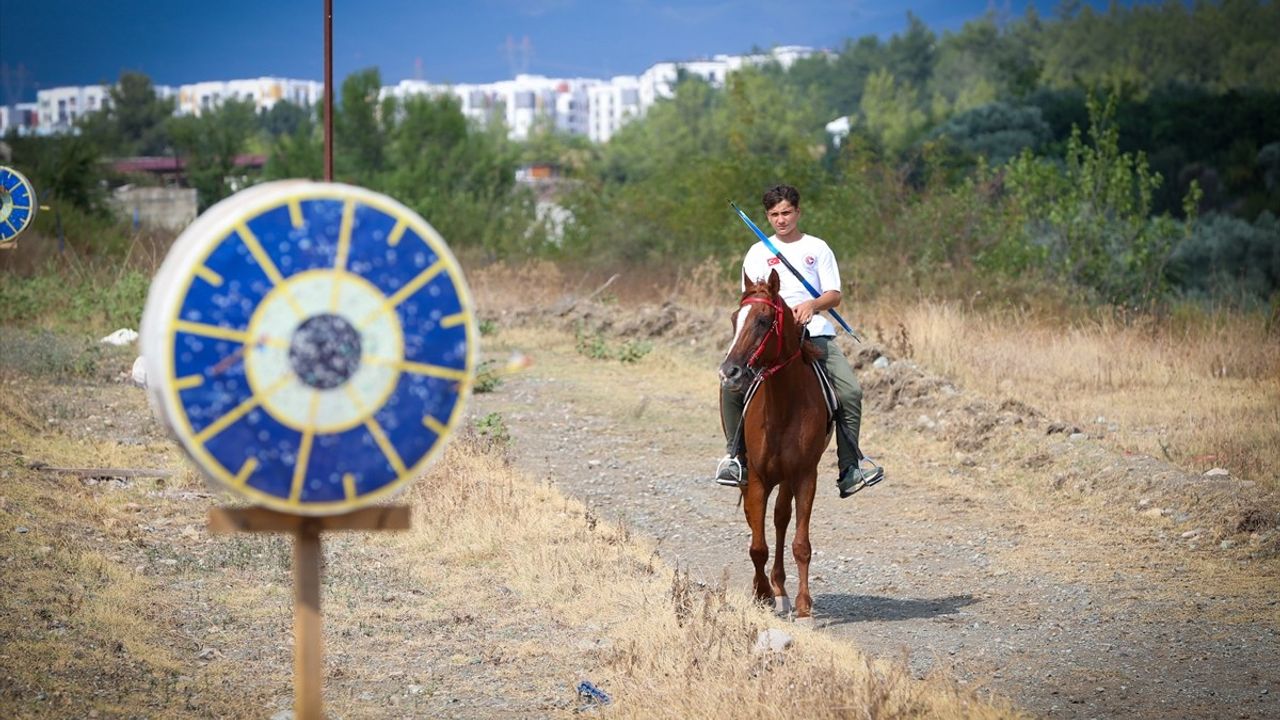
x=69 y=42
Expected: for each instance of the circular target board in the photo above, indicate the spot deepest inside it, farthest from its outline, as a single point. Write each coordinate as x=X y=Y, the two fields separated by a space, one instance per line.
x=311 y=345
x=17 y=204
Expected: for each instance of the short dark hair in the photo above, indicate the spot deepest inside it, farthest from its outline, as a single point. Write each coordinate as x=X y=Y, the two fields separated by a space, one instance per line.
x=778 y=193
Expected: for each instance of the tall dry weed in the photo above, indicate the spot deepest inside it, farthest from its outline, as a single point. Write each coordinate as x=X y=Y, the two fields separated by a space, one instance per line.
x=1200 y=389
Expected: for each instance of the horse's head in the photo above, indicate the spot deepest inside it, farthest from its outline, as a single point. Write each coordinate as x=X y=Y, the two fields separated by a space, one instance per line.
x=763 y=328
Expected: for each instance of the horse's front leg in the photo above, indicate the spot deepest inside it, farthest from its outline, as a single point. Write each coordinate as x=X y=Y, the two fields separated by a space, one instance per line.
x=800 y=548
x=755 y=500
x=778 y=577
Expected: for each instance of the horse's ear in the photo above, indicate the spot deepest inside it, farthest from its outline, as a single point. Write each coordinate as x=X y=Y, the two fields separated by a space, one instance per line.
x=745 y=280
x=774 y=282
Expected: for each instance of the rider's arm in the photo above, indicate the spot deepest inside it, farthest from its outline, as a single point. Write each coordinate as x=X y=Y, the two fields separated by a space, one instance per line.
x=824 y=302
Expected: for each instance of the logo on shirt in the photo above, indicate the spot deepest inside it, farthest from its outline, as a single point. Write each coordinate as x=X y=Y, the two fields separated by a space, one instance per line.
x=775 y=261
x=810 y=260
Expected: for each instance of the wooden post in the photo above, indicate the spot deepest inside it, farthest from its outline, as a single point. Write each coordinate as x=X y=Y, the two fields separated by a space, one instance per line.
x=308 y=631
x=308 y=628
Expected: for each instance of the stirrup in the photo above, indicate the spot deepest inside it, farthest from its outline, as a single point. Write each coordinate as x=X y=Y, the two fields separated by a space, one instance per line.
x=730 y=473
x=866 y=478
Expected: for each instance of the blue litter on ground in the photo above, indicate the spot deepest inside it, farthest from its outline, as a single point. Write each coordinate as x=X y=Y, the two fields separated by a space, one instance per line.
x=591 y=692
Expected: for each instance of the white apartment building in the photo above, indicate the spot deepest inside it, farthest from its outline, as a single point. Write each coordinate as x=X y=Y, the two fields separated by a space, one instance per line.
x=22 y=118
x=57 y=109
x=612 y=105
x=580 y=106
x=263 y=92
x=521 y=102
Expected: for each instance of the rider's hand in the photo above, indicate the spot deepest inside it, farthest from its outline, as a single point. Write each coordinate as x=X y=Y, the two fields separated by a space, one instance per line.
x=803 y=312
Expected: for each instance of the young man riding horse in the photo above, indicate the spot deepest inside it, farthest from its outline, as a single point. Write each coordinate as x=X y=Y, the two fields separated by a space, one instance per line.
x=814 y=260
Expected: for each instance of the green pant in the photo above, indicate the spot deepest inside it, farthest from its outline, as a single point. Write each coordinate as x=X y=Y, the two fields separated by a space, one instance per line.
x=848 y=415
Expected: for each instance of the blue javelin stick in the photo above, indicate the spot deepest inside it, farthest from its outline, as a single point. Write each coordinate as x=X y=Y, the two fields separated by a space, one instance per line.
x=773 y=249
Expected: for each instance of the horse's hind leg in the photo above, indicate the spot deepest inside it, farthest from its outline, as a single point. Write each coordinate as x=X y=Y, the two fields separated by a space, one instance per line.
x=800 y=548
x=756 y=500
x=778 y=577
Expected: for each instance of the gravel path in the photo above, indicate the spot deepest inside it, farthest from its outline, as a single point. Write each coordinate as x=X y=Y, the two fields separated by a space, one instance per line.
x=987 y=554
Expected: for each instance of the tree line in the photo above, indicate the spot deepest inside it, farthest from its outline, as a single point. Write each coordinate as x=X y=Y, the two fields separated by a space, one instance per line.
x=1131 y=154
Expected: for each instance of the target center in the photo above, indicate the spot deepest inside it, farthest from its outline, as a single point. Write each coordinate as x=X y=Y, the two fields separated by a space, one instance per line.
x=325 y=351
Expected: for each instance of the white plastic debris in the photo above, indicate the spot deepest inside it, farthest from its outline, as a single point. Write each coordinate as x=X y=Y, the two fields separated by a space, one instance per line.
x=139 y=372
x=772 y=640
x=881 y=362
x=123 y=336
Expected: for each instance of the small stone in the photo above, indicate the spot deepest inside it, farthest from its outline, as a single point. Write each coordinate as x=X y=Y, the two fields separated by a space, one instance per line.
x=1077 y=437
x=1218 y=472
x=1192 y=533
x=881 y=362
x=22 y=530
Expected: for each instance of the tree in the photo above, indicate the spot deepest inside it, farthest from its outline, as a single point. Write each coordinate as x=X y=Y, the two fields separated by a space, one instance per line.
x=284 y=118
x=135 y=120
x=996 y=131
x=359 y=133
x=210 y=143
x=890 y=111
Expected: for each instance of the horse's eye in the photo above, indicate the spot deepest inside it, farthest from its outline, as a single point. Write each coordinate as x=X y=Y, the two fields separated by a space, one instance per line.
x=763 y=321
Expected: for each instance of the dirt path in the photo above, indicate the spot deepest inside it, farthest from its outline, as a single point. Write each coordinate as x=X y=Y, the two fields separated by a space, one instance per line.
x=994 y=552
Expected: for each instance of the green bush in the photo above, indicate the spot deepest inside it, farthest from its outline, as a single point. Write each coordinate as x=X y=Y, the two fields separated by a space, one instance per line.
x=1226 y=258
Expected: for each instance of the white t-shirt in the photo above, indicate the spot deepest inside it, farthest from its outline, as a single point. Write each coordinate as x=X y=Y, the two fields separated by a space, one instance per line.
x=815 y=261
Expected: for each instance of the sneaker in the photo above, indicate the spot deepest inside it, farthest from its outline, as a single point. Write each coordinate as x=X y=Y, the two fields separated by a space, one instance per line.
x=730 y=473
x=854 y=478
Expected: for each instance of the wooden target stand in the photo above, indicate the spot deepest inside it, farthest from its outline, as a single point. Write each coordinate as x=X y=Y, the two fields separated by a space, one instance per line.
x=311 y=346
x=308 y=628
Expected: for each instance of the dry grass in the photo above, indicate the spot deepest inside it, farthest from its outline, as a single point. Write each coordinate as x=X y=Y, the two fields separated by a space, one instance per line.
x=1202 y=391
x=502 y=596
x=661 y=645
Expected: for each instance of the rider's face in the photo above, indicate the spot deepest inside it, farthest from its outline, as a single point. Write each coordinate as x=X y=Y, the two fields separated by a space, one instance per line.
x=785 y=219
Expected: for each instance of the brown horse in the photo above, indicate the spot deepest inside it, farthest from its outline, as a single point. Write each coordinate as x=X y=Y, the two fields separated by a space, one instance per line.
x=785 y=428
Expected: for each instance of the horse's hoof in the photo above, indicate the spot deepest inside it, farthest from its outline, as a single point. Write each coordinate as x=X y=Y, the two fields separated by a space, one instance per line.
x=782 y=605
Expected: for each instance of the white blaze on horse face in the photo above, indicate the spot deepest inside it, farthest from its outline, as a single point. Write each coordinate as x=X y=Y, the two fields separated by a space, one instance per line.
x=737 y=329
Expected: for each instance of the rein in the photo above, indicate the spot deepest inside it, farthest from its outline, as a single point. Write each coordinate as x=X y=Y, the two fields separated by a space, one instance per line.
x=775 y=330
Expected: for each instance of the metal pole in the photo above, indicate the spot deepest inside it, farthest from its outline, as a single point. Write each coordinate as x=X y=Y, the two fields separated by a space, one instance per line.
x=328 y=90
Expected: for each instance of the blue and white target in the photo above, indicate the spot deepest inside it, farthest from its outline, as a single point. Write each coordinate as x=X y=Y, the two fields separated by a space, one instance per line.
x=17 y=204
x=311 y=345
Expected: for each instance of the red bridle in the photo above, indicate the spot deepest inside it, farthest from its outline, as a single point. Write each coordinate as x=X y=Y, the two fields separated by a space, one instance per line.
x=775 y=330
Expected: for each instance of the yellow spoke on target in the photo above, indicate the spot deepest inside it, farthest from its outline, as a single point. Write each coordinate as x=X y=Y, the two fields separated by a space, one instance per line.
x=405 y=292
x=435 y=425
x=439 y=371
x=295 y=214
x=213 y=331
x=384 y=444
x=188 y=382
x=209 y=276
x=344 y=235
x=454 y=320
x=304 y=452
x=397 y=233
x=239 y=411
x=242 y=476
